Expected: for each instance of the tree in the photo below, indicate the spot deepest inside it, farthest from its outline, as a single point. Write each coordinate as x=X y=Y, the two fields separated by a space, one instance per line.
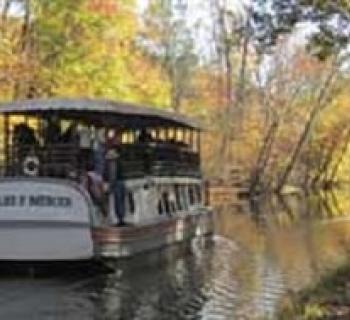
x=167 y=39
x=331 y=19
x=231 y=34
x=80 y=48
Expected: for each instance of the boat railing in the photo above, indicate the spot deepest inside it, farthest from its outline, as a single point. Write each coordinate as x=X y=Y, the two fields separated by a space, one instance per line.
x=57 y=160
x=158 y=160
x=67 y=160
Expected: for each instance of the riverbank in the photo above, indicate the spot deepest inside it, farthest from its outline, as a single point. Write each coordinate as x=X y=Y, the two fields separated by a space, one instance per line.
x=328 y=299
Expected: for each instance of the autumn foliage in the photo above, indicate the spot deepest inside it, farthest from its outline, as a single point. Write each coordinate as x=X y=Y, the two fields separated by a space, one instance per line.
x=280 y=117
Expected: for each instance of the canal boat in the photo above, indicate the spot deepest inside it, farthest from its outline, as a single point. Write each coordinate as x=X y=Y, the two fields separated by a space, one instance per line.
x=85 y=179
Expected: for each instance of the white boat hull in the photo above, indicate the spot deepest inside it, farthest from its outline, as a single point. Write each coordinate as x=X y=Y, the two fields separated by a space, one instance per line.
x=42 y=242
x=53 y=220
x=44 y=220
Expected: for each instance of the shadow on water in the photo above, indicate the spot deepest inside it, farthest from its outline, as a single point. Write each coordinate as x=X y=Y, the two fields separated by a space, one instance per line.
x=262 y=250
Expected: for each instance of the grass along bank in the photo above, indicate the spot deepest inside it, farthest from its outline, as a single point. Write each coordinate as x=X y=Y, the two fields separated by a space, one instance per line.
x=328 y=299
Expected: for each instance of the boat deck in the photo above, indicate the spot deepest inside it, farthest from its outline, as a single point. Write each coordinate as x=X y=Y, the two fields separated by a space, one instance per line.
x=128 y=240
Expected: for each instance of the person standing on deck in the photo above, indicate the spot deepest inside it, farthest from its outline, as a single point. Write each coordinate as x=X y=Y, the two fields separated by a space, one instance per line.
x=115 y=178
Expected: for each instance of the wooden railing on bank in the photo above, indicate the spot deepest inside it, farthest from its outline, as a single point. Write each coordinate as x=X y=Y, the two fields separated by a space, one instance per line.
x=224 y=192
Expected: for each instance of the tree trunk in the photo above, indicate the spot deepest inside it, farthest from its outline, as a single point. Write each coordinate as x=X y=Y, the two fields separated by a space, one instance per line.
x=23 y=87
x=4 y=13
x=268 y=144
x=327 y=160
x=320 y=104
x=335 y=169
x=263 y=157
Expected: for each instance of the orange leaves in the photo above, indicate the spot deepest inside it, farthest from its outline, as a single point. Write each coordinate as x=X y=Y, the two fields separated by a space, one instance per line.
x=211 y=89
x=104 y=7
x=307 y=65
x=148 y=83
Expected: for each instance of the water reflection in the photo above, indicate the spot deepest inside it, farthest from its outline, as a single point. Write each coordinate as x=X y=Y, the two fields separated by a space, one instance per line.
x=172 y=291
x=262 y=250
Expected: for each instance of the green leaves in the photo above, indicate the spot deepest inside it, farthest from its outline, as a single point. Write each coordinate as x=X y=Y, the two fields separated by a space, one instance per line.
x=332 y=19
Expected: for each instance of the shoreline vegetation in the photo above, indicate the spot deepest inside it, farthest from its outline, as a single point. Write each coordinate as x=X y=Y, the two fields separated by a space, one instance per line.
x=275 y=110
x=327 y=299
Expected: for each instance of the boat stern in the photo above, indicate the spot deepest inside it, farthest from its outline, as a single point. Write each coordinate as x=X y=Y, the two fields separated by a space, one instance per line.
x=44 y=220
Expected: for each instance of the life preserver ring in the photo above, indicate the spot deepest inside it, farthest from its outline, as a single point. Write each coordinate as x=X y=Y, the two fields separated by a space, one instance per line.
x=31 y=166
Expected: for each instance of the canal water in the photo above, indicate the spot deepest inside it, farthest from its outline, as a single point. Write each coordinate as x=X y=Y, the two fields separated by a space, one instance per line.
x=262 y=252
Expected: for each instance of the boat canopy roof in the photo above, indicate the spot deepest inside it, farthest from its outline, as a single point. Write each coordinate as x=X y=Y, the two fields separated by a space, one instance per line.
x=100 y=112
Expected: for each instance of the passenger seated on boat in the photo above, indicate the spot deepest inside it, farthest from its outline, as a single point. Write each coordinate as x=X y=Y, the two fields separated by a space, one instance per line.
x=24 y=135
x=144 y=136
x=24 y=143
x=71 y=136
x=52 y=131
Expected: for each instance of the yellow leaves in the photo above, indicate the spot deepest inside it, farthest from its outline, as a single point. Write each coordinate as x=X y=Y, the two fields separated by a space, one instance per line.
x=119 y=12
x=337 y=114
x=148 y=82
x=114 y=68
